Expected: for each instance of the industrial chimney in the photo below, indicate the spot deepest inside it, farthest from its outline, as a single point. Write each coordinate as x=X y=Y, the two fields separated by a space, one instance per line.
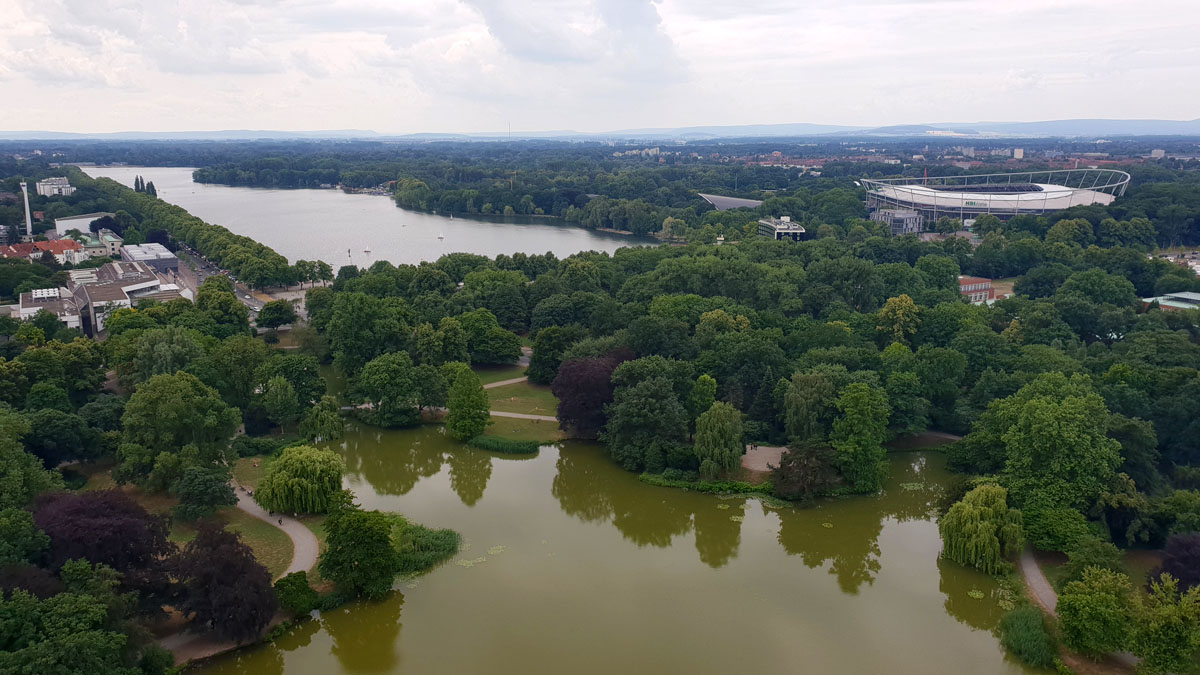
x=28 y=216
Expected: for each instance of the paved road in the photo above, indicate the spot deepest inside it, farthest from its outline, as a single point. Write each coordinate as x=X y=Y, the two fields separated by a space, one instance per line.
x=205 y=269
x=502 y=383
x=523 y=416
x=304 y=542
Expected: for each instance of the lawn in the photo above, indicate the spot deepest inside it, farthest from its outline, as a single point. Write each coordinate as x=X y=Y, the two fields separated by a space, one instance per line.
x=490 y=374
x=1137 y=564
x=524 y=430
x=246 y=473
x=523 y=397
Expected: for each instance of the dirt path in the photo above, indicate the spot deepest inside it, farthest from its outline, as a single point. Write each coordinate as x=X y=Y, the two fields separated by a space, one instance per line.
x=501 y=383
x=758 y=458
x=304 y=542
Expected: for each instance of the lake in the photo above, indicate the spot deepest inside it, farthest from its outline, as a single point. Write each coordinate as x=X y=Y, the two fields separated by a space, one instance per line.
x=338 y=228
x=571 y=565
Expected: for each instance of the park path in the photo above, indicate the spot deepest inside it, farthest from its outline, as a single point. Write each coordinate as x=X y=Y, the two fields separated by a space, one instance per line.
x=1046 y=597
x=304 y=542
x=504 y=383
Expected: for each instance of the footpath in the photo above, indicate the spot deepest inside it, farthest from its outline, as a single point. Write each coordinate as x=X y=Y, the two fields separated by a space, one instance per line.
x=186 y=645
x=1042 y=593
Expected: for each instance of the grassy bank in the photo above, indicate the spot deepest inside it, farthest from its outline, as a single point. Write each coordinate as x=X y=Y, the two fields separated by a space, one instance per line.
x=523 y=397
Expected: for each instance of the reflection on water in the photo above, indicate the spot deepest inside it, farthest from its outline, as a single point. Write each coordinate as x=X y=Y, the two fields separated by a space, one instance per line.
x=573 y=565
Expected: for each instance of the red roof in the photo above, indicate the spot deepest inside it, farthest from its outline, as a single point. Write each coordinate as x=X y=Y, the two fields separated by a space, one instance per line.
x=58 y=246
x=16 y=251
x=964 y=280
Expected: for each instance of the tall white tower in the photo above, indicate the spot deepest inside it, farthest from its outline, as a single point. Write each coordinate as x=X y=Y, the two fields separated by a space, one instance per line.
x=28 y=215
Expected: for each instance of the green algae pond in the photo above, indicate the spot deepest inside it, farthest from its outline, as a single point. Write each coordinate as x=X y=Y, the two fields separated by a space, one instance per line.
x=572 y=565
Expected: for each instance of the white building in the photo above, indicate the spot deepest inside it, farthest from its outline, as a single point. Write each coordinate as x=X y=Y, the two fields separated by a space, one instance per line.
x=99 y=292
x=1019 y=153
x=155 y=255
x=54 y=187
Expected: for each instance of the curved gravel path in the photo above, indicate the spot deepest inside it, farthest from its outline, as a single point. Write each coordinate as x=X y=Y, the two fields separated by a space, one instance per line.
x=304 y=542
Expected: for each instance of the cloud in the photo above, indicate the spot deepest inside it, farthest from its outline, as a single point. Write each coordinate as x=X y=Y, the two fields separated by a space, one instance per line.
x=475 y=65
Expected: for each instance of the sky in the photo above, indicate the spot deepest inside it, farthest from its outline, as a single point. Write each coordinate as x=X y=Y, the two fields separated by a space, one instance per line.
x=405 y=66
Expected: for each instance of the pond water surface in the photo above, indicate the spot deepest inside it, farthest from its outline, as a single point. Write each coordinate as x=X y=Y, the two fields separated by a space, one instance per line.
x=340 y=228
x=571 y=565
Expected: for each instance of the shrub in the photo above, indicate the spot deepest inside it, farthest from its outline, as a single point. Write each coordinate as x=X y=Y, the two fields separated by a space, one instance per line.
x=505 y=446
x=804 y=471
x=1094 y=612
x=294 y=593
x=421 y=548
x=716 y=487
x=1023 y=633
x=249 y=446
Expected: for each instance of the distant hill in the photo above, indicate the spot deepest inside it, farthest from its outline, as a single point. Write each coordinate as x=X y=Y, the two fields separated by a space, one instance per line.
x=1075 y=127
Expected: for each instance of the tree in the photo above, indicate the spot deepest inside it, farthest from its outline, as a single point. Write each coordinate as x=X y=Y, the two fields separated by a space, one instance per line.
x=910 y=410
x=201 y=491
x=164 y=351
x=388 y=384
x=168 y=412
x=644 y=420
x=805 y=471
x=322 y=422
x=700 y=398
x=20 y=539
x=359 y=556
x=1094 y=612
x=217 y=300
x=303 y=479
x=107 y=527
x=1181 y=559
x=301 y=370
x=584 y=389
x=469 y=410
x=900 y=318
x=279 y=400
x=295 y=595
x=48 y=396
x=981 y=531
x=222 y=585
x=548 y=349
x=719 y=444
x=276 y=313
x=1166 y=627
x=56 y=436
x=235 y=362
x=22 y=475
x=858 y=435
x=808 y=406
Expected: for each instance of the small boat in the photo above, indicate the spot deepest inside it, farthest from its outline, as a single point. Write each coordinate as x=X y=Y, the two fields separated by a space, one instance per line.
x=441 y=236
x=367 y=251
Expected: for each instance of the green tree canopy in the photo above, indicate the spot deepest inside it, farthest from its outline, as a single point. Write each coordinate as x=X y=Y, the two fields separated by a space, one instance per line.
x=303 y=479
x=718 y=443
x=469 y=409
x=858 y=436
x=981 y=531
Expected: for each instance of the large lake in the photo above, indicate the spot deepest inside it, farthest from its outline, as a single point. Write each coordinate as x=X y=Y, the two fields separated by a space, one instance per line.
x=338 y=228
x=572 y=565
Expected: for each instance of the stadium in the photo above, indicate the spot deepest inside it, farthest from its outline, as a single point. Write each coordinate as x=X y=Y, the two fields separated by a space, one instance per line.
x=1003 y=195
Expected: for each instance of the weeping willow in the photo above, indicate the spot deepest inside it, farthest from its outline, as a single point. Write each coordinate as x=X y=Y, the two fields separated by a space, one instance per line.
x=302 y=480
x=981 y=531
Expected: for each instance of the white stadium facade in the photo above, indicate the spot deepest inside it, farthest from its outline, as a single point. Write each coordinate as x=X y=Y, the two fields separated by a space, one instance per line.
x=1003 y=195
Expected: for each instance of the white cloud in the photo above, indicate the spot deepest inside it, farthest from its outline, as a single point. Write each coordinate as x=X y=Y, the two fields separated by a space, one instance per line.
x=473 y=65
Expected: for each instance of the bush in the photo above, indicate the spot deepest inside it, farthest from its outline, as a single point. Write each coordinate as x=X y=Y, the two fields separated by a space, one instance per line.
x=294 y=593
x=804 y=472
x=505 y=446
x=716 y=487
x=248 y=446
x=422 y=548
x=1023 y=633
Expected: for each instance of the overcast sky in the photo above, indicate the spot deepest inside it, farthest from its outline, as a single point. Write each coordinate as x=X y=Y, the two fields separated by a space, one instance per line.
x=480 y=65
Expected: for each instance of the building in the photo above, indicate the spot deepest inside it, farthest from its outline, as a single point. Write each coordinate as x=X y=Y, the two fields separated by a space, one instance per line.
x=899 y=221
x=155 y=255
x=1018 y=153
x=1003 y=195
x=1175 y=302
x=102 y=243
x=64 y=250
x=20 y=251
x=101 y=291
x=782 y=228
x=57 y=301
x=54 y=187
x=82 y=222
x=1158 y=153
x=977 y=289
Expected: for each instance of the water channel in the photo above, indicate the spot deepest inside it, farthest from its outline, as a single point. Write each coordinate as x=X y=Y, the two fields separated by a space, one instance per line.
x=572 y=565
x=340 y=228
